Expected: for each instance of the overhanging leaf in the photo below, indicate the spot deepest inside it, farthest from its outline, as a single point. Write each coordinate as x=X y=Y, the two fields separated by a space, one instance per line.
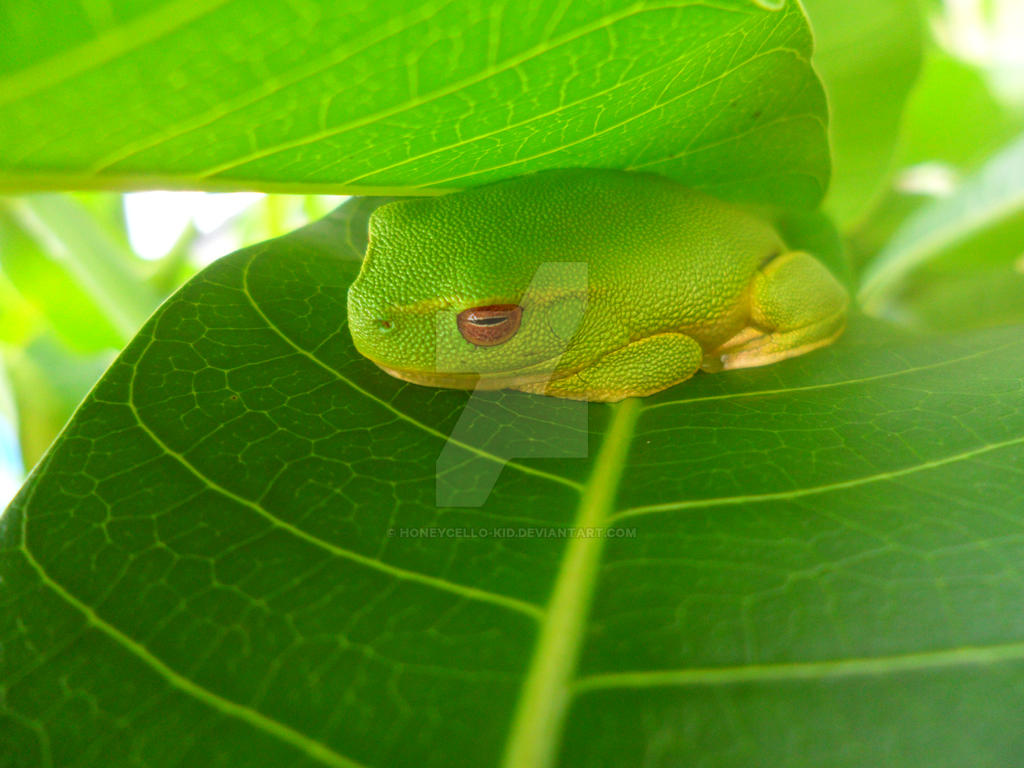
x=384 y=94
x=227 y=558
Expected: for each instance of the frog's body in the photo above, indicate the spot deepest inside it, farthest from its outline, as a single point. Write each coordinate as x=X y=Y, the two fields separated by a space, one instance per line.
x=674 y=280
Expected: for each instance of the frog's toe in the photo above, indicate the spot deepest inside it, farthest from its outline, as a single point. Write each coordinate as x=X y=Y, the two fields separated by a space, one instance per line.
x=753 y=346
x=796 y=305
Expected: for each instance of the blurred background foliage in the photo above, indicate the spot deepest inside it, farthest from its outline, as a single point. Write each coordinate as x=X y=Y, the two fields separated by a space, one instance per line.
x=79 y=273
x=931 y=213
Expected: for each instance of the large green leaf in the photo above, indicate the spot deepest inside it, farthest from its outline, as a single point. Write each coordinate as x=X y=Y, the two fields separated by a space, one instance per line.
x=387 y=94
x=233 y=555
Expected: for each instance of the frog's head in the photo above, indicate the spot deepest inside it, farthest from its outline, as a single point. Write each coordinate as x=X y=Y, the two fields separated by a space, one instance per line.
x=449 y=297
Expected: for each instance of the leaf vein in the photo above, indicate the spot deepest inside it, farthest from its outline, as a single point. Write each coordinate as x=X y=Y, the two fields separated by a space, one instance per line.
x=471 y=593
x=817 y=489
x=452 y=88
x=388 y=406
x=843 y=383
x=806 y=670
x=316 y=750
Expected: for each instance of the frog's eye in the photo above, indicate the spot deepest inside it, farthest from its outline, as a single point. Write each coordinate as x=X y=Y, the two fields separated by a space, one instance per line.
x=490 y=326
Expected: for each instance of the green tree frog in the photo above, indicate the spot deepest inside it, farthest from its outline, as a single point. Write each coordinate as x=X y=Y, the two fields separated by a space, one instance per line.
x=653 y=282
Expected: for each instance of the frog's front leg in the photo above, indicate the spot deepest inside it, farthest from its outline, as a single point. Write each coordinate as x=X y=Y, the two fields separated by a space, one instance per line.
x=796 y=305
x=638 y=369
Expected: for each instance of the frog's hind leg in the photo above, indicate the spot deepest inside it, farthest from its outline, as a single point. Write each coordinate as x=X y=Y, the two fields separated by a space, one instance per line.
x=796 y=305
x=640 y=368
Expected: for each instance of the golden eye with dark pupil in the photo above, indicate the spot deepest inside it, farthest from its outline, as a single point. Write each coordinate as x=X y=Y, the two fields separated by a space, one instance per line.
x=490 y=326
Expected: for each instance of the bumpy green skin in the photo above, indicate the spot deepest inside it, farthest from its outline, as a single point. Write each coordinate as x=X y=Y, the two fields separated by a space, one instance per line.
x=629 y=284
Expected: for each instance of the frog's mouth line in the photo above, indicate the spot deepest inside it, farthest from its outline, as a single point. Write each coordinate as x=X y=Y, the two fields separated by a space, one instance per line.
x=473 y=381
x=466 y=380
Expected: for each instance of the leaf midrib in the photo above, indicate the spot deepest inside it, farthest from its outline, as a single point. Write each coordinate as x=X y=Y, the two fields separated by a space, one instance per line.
x=116 y=42
x=394 y=27
x=536 y=729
